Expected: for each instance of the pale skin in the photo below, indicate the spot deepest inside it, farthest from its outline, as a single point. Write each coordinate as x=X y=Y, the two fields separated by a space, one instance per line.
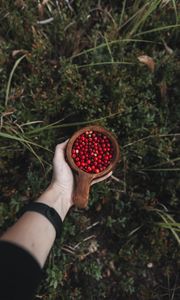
x=33 y=231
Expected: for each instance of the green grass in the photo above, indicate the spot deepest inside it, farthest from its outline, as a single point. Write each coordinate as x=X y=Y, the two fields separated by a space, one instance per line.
x=82 y=68
x=169 y=223
x=10 y=79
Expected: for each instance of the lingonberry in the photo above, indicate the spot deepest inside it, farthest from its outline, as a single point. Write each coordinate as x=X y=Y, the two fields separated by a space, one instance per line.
x=92 y=152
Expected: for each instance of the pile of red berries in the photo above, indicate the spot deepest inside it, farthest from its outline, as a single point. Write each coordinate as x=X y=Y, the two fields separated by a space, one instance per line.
x=92 y=151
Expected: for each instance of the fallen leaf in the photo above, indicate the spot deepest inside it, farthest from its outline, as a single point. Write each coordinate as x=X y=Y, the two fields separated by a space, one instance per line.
x=148 y=61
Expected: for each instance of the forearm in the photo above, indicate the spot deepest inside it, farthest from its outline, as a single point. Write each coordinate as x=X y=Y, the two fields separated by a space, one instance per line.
x=33 y=231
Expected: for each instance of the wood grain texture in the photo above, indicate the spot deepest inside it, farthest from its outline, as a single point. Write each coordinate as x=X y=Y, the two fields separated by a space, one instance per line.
x=83 y=179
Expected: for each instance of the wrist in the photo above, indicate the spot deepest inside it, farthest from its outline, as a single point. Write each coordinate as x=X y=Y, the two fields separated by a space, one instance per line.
x=53 y=196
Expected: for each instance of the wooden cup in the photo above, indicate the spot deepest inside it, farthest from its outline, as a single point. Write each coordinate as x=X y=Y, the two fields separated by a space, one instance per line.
x=83 y=179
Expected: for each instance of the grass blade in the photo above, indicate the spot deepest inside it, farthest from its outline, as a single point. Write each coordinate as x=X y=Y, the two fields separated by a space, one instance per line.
x=163 y=216
x=105 y=63
x=109 y=49
x=165 y=163
x=103 y=45
x=151 y=137
x=168 y=226
x=54 y=126
x=122 y=12
x=169 y=222
x=22 y=140
x=10 y=78
x=175 y=10
x=162 y=170
x=158 y=29
x=144 y=14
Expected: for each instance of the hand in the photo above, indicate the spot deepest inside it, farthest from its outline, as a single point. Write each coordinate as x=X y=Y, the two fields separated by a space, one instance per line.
x=60 y=192
x=62 y=174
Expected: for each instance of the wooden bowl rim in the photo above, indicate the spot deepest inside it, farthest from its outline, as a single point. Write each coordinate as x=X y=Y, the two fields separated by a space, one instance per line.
x=112 y=138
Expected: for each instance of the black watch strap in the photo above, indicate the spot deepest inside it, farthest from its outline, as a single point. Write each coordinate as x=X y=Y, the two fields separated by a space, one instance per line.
x=47 y=211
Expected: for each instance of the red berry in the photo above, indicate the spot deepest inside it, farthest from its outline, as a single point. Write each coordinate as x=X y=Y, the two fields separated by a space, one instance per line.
x=92 y=151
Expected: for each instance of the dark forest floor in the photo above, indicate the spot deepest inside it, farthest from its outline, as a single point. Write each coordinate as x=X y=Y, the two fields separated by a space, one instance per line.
x=113 y=63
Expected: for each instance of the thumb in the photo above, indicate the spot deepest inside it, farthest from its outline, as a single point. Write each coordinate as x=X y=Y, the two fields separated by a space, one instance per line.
x=62 y=146
x=59 y=151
